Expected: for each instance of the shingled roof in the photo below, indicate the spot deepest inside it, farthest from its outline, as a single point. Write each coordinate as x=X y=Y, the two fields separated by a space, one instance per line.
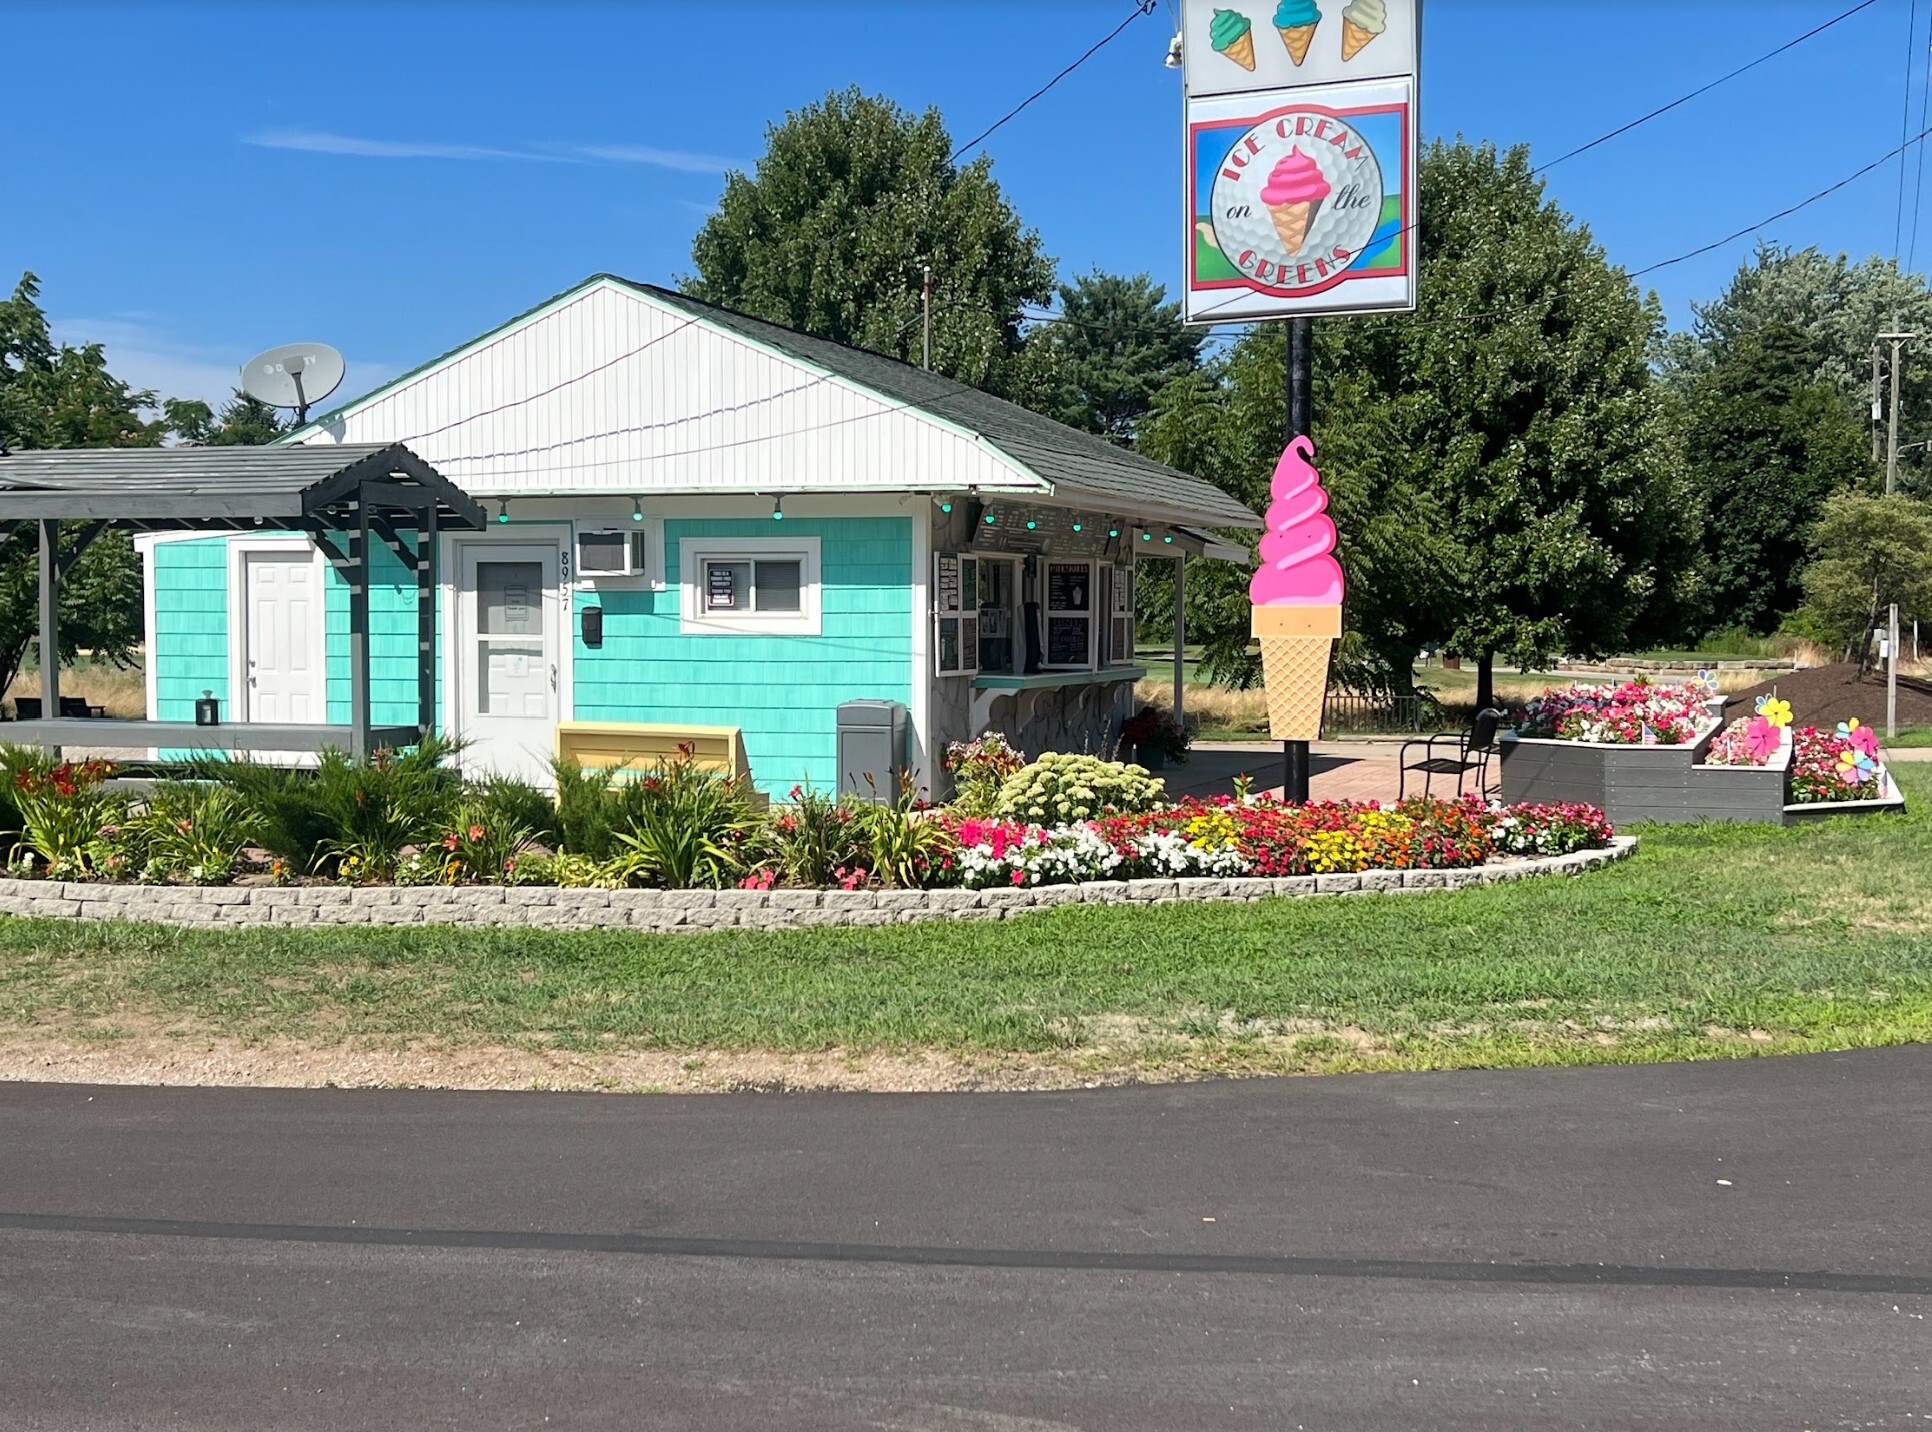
x=1078 y=465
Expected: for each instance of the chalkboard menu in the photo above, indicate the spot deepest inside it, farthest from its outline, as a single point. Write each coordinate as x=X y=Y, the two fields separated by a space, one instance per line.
x=1069 y=586
x=1066 y=641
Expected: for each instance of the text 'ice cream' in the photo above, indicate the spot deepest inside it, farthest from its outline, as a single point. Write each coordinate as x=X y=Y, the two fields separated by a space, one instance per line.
x=1295 y=189
x=1296 y=594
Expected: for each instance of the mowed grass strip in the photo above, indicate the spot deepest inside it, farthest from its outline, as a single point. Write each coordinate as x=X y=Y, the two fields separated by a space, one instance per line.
x=1712 y=941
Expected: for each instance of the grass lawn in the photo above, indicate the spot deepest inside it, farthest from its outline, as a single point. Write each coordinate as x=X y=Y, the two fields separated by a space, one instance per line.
x=1712 y=941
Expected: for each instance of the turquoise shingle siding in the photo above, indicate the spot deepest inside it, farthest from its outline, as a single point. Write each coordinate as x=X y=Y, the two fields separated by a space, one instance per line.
x=190 y=625
x=782 y=690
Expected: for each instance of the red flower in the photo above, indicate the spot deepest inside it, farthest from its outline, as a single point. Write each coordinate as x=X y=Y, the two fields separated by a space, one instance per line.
x=476 y=832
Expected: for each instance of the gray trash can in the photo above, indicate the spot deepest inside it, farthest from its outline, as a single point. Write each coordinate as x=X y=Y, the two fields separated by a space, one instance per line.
x=871 y=742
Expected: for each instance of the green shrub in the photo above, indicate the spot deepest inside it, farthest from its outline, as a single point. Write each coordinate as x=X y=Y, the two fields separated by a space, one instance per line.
x=592 y=806
x=812 y=840
x=1061 y=787
x=691 y=828
x=979 y=768
x=192 y=831
x=899 y=844
x=482 y=844
x=512 y=804
x=566 y=871
x=68 y=819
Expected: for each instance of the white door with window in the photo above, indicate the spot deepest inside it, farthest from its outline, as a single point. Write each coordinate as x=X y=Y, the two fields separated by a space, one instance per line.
x=509 y=640
x=282 y=639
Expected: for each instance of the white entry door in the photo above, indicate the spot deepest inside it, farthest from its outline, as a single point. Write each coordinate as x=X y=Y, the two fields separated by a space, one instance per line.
x=509 y=627
x=282 y=639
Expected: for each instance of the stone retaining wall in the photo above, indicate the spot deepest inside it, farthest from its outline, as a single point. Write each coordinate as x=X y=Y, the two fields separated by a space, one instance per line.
x=546 y=907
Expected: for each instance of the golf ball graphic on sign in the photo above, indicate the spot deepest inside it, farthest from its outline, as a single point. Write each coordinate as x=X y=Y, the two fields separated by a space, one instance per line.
x=1296 y=200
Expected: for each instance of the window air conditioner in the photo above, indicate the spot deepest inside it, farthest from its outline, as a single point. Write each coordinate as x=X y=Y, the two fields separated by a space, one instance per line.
x=613 y=552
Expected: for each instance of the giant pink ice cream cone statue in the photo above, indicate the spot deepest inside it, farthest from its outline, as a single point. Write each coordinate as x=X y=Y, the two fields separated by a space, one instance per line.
x=1297 y=596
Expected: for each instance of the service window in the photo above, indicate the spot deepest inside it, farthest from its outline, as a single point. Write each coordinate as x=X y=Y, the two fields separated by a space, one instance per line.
x=955 y=605
x=1070 y=603
x=999 y=601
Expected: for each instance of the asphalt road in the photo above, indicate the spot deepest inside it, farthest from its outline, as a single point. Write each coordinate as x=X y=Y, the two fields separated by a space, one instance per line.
x=1739 y=1245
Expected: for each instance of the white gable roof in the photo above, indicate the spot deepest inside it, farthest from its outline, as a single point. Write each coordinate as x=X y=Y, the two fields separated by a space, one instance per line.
x=607 y=389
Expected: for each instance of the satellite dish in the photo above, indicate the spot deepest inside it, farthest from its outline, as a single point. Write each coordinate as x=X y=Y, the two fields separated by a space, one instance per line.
x=293 y=376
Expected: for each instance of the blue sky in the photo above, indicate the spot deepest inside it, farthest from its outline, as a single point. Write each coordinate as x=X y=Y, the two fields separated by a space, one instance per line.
x=196 y=183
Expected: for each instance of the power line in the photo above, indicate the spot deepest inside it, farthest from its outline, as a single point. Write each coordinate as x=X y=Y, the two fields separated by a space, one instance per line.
x=1141 y=7
x=1784 y=213
x=1904 y=126
x=1918 y=182
x=1706 y=89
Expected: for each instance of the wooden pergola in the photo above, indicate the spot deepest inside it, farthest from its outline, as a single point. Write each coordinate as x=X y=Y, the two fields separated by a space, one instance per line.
x=343 y=496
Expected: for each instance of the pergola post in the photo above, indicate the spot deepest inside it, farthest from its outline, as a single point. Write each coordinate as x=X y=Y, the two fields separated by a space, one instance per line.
x=49 y=619
x=426 y=544
x=358 y=575
x=1180 y=637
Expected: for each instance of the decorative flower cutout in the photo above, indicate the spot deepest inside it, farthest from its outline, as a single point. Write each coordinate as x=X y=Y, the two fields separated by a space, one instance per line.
x=1855 y=767
x=1774 y=709
x=1860 y=735
x=1762 y=738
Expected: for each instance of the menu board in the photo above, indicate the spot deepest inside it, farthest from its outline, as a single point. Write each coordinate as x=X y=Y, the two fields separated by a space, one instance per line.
x=948 y=583
x=1066 y=641
x=1068 y=586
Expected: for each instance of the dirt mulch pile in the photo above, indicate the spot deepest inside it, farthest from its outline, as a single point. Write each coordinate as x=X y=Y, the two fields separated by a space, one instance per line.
x=1823 y=696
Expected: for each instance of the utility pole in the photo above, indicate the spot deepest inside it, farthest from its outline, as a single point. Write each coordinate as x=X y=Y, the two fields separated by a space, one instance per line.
x=1878 y=401
x=1891 y=676
x=1898 y=341
x=925 y=303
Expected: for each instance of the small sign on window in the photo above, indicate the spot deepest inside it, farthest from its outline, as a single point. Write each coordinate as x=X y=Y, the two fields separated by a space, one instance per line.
x=721 y=587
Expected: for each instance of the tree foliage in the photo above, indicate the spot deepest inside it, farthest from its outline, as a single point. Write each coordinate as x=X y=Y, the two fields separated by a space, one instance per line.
x=1768 y=442
x=1868 y=551
x=853 y=198
x=1501 y=465
x=1118 y=344
x=59 y=396
x=244 y=421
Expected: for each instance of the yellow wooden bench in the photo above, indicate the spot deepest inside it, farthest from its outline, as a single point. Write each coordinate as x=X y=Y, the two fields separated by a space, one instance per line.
x=633 y=749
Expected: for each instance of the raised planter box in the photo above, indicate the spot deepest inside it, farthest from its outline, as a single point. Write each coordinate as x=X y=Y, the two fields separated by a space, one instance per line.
x=1669 y=784
x=1630 y=784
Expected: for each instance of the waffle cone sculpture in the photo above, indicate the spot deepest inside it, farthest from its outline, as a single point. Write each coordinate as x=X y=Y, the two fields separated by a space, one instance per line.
x=1297 y=596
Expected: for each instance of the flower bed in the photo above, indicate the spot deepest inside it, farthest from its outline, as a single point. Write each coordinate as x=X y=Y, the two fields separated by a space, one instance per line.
x=410 y=822
x=1637 y=713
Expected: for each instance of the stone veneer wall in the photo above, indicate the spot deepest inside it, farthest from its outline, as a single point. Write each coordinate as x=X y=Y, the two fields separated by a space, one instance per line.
x=546 y=907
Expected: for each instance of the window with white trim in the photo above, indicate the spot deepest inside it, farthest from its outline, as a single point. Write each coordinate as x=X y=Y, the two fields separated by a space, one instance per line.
x=736 y=585
x=1119 y=631
x=1070 y=607
x=956 y=581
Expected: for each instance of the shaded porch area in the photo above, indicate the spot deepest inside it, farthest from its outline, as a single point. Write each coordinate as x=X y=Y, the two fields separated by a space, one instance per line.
x=344 y=498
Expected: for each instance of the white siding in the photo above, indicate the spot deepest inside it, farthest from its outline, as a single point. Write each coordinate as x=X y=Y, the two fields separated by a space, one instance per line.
x=609 y=391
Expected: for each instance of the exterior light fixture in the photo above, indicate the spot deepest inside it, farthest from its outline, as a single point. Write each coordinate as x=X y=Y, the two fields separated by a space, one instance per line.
x=778 y=509
x=1031 y=524
x=946 y=505
x=1168 y=538
x=637 y=510
x=1076 y=526
x=1147 y=536
x=990 y=519
x=1113 y=531
x=503 y=509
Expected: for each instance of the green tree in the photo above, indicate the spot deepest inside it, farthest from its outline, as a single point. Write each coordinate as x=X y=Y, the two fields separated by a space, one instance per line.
x=852 y=200
x=1504 y=472
x=1868 y=551
x=1768 y=443
x=1118 y=343
x=244 y=421
x=56 y=396
x=1840 y=307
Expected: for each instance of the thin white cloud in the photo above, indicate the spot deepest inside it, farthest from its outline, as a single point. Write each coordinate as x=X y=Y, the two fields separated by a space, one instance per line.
x=311 y=141
x=319 y=142
x=678 y=159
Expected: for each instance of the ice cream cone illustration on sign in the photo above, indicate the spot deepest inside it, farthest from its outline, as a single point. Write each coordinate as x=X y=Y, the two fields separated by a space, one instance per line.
x=1297 y=596
x=1362 y=21
x=1296 y=20
x=1294 y=191
x=1232 y=34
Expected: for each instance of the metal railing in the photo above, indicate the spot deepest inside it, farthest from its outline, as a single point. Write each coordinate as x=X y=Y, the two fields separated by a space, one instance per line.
x=1345 y=713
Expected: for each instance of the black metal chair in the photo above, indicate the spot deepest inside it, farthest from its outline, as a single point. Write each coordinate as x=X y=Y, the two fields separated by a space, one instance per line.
x=1472 y=751
x=73 y=707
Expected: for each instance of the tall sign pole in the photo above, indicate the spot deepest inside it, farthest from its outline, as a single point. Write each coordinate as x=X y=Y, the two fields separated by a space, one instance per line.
x=1302 y=160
